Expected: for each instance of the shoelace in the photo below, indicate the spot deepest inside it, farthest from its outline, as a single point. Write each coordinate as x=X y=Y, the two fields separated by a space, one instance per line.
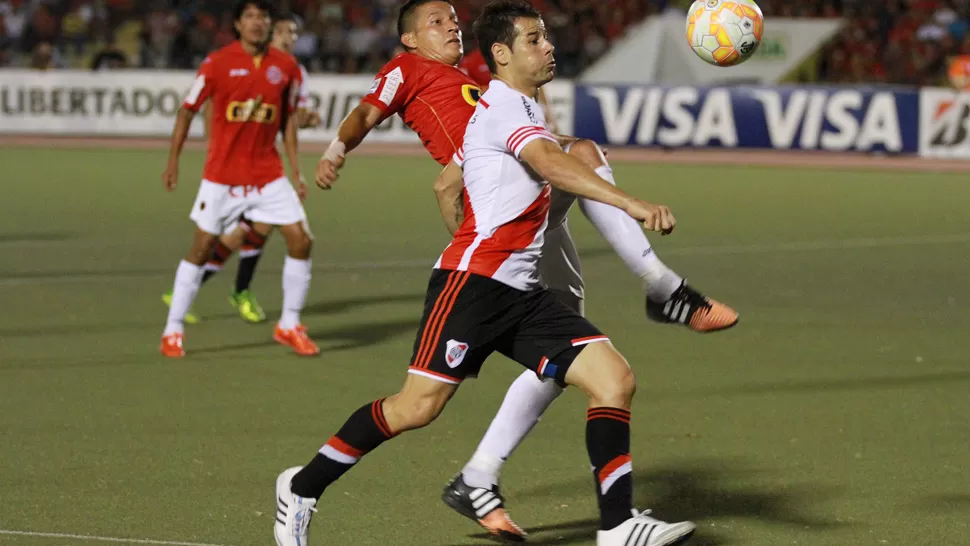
x=303 y=517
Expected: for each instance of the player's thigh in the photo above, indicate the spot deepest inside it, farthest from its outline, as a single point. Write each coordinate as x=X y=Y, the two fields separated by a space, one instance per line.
x=217 y=207
x=276 y=204
x=560 y=267
x=549 y=336
x=419 y=402
x=603 y=374
x=465 y=316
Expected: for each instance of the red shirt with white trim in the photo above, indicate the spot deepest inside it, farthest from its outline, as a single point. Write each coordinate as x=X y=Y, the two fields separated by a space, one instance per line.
x=250 y=96
x=506 y=204
x=434 y=99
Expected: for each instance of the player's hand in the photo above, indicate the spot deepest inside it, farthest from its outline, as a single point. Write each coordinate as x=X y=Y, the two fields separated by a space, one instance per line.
x=653 y=217
x=313 y=120
x=170 y=178
x=301 y=188
x=327 y=172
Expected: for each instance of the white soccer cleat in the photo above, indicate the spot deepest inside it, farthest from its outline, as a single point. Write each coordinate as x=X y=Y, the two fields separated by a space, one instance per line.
x=642 y=530
x=293 y=512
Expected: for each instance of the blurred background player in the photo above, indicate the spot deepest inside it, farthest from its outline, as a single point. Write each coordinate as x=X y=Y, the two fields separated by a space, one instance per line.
x=486 y=295
x=436 y=99
x=248 y=238
x=252 y=87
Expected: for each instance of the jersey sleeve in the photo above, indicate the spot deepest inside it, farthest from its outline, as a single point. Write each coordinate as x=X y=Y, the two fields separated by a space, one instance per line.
x=303 y=98
x=392 y=87
x=516 y=124
x=202 y=87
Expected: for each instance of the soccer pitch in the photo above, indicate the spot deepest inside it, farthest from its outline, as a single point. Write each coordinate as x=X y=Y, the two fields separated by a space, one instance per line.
x=836 y=413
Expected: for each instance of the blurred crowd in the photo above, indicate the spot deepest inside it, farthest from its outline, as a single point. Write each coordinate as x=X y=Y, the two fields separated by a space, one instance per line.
x=886 y=41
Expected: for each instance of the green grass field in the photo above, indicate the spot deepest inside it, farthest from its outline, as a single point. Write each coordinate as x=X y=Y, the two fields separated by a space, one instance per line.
x=837 y=413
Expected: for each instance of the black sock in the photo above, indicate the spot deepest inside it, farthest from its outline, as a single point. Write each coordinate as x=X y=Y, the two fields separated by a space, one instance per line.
x=608 y=444
x=220 y=253
x=362 y=433
x=249 y=256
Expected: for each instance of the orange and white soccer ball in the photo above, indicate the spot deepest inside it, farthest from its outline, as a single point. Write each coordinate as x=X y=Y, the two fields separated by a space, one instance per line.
x=724 y=32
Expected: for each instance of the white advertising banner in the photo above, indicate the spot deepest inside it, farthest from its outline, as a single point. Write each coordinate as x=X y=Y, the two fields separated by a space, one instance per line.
x=143 y=103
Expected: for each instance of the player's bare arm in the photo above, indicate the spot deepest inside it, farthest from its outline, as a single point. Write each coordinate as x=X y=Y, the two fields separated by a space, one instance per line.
x=308 y=119
x=291 y=148
x=183 y=120
x=449 y=188
x=570 y=174
x=352 y=131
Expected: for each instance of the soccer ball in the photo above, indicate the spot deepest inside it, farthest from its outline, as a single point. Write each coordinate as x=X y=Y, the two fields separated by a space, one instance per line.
x=724 y=32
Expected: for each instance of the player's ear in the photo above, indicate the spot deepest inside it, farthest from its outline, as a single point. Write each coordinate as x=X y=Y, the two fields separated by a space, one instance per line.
x=501 y=53
x=409 y=40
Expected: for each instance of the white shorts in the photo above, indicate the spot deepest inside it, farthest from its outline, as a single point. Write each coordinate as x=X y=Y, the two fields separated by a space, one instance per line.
x=218 y=207
x=559 y=266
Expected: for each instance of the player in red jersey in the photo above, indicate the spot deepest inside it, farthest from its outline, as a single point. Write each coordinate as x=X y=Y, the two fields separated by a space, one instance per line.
x=252 y=87
x=436 y=99
x=249 y=237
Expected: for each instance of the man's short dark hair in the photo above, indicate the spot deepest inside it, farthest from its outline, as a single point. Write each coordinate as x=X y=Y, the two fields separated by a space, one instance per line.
x=241 y=5
x=286 y=16
x=496 y=25
x=405 y=18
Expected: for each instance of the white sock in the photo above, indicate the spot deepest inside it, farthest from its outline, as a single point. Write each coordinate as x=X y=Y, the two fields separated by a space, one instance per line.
x=526 y=401
x=188 y=279
x=629 y=241
x=296 y=284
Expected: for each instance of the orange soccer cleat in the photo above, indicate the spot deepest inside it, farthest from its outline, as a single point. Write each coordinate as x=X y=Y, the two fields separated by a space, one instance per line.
x=692 y=309
x=485 y=507
x=298 y=339
x=172 y=346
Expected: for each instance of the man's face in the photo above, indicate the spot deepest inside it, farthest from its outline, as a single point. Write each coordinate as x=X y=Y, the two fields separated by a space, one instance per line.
x=436 y=33
x=284 y=35
x=531 y=54
x=253 y=25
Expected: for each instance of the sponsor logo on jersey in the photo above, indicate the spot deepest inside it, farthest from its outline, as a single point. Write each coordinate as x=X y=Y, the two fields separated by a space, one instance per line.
x=455 y=352
x=471 y=93
x=251 y=110
x=529 y=112
x=235 y=72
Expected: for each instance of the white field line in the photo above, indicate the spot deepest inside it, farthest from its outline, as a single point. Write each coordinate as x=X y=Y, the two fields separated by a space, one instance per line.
x=9 y=532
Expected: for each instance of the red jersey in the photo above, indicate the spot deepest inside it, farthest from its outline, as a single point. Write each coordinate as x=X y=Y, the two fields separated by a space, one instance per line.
x=250 y=95
x=434 y=99
x=477 y=69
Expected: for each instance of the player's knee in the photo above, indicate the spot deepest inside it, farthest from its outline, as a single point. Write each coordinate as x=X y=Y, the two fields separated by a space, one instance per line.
x=202 y=245
x=605 y=376
x=299 y=245
x=589 y=152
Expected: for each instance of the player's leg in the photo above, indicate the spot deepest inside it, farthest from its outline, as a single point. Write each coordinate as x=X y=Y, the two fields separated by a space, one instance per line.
x=298 y=489
x=557 y=343
x=606 y=378
x=214 y=205
x=439 y=363
x=252 y=239
x=277 y=204
x=296 y=284
x=223 y=248
x=528 y=397
x=669 y=298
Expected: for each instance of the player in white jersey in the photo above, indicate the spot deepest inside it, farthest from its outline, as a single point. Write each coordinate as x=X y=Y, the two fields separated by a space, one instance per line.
x=248 y=238
x=486 y=295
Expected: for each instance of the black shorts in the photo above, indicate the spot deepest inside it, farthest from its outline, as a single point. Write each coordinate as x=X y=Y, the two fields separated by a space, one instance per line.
x=467 y=317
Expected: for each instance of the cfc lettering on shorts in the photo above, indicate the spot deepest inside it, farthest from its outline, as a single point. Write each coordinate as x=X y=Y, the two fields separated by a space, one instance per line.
x=455 y=353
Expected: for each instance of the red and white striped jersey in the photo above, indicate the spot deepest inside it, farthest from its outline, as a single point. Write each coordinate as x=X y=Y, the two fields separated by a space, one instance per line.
x=506 y=203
